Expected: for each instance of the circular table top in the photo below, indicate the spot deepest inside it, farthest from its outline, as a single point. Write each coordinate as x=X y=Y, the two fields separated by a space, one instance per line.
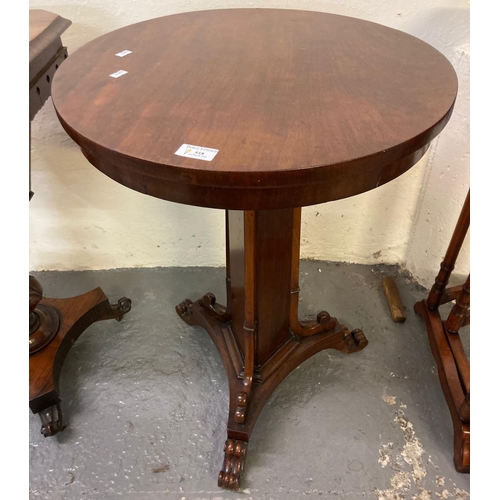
x=303 y=107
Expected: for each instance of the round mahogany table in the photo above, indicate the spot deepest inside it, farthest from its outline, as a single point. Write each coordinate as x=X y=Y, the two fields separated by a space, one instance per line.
x=273 y=110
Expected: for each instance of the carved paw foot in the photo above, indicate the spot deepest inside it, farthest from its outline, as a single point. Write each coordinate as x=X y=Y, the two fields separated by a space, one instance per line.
x=52 y=422
x=234 y=461
x=185 y=311
x=121 y=308
x=209 y=303
x=355 y=339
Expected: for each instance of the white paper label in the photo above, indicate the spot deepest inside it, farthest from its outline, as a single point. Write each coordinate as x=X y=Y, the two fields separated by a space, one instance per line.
x=198 y=152
x=123 y=53
x=119 y=73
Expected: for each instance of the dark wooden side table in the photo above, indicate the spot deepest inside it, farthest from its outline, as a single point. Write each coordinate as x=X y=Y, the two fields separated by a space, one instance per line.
x=54 y=324
x=257 y=112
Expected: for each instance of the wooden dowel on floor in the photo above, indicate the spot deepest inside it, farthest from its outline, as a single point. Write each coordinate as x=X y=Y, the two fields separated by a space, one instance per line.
x=396 y=307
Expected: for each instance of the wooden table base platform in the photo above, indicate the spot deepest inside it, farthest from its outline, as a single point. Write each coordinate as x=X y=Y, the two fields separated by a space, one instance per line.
x=245 y=405
x=259 y=336
x=446 y=344
x=55 y=325
x=450 y=378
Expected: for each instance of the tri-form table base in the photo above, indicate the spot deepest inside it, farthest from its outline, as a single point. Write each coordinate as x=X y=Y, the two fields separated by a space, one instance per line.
x=55 y=325
x=245 y=403
x=258 y=335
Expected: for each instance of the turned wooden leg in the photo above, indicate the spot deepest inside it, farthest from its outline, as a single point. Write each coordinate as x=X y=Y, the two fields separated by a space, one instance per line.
x=55 y=325
x=448 y=264
x=460 y=312
x=262 y=340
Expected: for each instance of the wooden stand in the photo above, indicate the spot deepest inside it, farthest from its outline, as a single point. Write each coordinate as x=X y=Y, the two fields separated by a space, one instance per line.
x=446 y=345
x=259 y=336
x=55 y=324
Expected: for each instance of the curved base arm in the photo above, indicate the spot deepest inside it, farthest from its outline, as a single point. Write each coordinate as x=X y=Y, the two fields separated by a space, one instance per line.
x=75 y=314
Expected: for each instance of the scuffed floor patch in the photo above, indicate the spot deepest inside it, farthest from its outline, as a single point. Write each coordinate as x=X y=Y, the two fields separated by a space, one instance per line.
x=412 y=454
x=385 y=456
x=413 y=449
x=458 y=494
x=390 y=400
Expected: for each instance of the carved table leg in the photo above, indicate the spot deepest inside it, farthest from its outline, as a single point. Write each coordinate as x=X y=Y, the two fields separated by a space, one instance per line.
x=262 y=340
x=55 y=325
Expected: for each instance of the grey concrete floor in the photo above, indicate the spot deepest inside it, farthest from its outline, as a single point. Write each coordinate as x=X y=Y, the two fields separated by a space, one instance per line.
x=146 y=400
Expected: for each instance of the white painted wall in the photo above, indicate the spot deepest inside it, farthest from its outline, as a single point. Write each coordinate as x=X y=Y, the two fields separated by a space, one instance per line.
x=80 y=219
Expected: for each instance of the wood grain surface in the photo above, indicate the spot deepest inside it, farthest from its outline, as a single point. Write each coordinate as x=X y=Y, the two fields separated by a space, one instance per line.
x=304 y=107
x=44 y=29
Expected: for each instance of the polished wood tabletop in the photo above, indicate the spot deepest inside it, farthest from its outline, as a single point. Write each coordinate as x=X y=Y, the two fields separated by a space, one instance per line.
x=303 y=107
